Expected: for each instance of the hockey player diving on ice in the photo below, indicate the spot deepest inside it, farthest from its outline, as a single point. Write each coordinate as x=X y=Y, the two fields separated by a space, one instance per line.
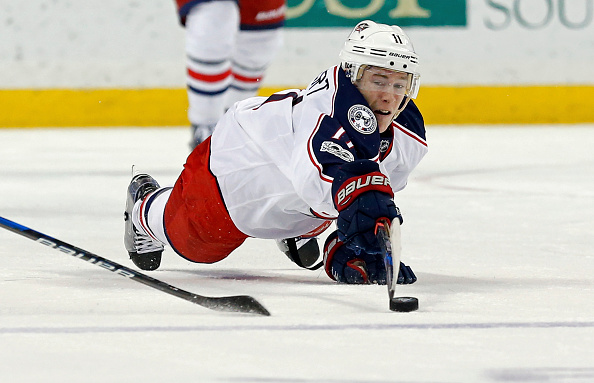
x=286 y=167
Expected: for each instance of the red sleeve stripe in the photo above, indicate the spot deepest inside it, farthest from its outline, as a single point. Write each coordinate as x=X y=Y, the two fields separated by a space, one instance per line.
x=335 y=78
x=312 y=157
x=318 y=230
x=409 y=133
x=322 y=215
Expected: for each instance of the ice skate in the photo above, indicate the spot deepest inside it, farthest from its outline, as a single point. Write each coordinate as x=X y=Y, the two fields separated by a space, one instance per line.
x=303 y=251
x=144 y=251
x=200 y=133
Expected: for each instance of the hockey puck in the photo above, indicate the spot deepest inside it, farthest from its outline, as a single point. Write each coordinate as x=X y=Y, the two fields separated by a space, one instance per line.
x=404 y=304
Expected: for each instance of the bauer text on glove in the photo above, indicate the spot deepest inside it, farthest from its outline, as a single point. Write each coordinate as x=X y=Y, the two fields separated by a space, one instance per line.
x=362 y=196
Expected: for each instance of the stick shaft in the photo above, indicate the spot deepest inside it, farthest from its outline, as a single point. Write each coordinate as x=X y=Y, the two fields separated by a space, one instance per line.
x=389 y=239
x=240 y=303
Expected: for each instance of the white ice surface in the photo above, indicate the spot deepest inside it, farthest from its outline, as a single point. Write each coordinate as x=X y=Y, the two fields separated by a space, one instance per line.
x=499 y=225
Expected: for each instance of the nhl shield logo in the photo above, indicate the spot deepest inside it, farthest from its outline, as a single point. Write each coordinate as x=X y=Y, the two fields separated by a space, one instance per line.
x=362 y=119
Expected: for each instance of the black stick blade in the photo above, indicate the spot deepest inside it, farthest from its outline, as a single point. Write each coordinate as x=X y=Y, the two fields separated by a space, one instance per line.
x=237 y=304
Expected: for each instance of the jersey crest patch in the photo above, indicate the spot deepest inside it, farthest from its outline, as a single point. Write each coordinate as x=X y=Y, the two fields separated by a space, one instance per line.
x=337 y=150
x=362 y=119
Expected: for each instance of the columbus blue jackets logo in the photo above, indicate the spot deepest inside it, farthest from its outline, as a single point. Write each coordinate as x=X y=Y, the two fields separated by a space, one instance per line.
x=362 y=119
x=361 y=27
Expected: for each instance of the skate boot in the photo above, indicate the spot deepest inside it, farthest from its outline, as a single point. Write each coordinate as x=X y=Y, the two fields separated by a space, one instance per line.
x=144 y=251
x=200 y=133
x=303 y=251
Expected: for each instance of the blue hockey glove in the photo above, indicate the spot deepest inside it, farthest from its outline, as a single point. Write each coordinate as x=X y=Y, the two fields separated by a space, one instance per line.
x=405 y=275
x=362 y=196
x=344 y=266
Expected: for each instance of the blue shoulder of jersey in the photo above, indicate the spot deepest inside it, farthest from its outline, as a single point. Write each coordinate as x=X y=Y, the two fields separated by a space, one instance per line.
x=351 y=133
x=354 y=115
x=411 y=119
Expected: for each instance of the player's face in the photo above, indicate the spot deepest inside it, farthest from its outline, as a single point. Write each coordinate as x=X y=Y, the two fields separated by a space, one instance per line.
x=383 y=90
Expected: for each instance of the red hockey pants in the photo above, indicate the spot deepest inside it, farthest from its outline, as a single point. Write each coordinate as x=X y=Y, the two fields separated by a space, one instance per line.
x=197 y=223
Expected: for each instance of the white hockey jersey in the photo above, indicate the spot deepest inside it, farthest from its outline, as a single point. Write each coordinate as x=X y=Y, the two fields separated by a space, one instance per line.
x=275 y=158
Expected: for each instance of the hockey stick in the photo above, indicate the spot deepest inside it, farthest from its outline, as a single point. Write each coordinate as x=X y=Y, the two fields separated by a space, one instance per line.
x=389 y=239
x=238 y=303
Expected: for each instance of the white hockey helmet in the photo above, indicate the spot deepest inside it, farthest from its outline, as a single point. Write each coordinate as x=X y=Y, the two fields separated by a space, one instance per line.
x=380 y=45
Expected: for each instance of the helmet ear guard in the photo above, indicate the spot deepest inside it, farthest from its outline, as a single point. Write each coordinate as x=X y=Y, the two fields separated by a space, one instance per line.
x=380 y=45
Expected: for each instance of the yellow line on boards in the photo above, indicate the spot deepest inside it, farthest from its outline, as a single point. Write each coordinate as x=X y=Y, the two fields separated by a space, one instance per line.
x=93 y=107
x=168 y=106
x=507 y=104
